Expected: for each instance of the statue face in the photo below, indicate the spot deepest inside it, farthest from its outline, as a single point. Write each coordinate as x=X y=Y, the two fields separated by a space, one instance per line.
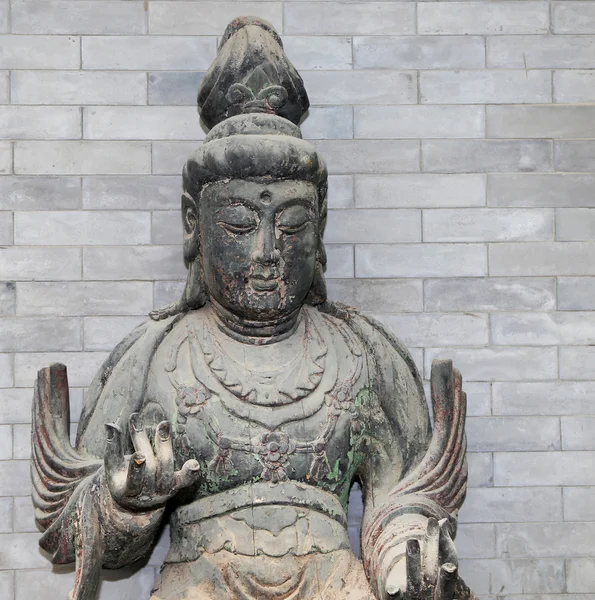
x=259 y=243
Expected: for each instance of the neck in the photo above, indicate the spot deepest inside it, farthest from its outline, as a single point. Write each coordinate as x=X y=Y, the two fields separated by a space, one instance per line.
x=255 y=332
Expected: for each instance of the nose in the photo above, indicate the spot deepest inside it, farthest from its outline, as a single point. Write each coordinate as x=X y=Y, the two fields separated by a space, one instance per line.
x=265 y=250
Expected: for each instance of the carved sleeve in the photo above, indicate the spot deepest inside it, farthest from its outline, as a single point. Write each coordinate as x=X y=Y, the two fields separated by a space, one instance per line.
x=410 y=473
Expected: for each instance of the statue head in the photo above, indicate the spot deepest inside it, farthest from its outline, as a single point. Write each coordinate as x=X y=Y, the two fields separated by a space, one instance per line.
x=254 y=202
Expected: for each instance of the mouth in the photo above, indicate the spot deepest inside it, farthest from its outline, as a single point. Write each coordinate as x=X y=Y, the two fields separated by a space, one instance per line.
x=262 y=284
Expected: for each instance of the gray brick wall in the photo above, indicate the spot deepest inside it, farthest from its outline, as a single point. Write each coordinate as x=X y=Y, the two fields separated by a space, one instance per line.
x=460 y=138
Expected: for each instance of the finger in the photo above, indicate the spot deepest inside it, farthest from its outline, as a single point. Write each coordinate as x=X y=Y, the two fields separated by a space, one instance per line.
x=140 y=440
x=136 y=474
x=164 y=454
x=187 y=475
x=447 y=578
x=414 y=573
x=448 y=551
x=432 y=550
x=114 y=454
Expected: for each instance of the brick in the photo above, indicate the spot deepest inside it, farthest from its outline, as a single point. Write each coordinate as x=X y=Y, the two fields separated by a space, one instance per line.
x=22 y=442
x=580 y=575
x=485 y=434
x=4 y=17
x=5 y=451
x=378 y=295
x=577 y=432
x=370 y=156
x=541 y=52
x=419 y=122
x=578 y=156
x=334 y=18
x=5 y=158
x=545 y=539
x=574 y=86
x=481 y=470
x=541 y=190
x=142 y=122
x=421 y=260
x=423 y=191
x=340 y=261
x=543 y=328
x=484 y=156
x=78 y=87
x=15 y=404
x=486 y=86
x=526 y=576
x=7 y=298
x=551 y=398
x=479 y=398
x=474 y=294
x=476 y=574
x=38 y=193
x=498 y=363
x=137 y=262
x=319 y=52
x=44 y=264
x=6 y=228
x=166 y=292
x=487 y=225
x=104 y=333
x=575 y=224
x=40 y=334
x=428 y=329
x=419 y=52
x=84 y=17
x=82 y=367
x=481 y=18
x=84 y=228
x=155 y=53
x=169 y=157
x=4 y=83
x=39 y=52
x=544 y=468
x=132 y=193
x=24 y=515
x=577 y=363
x=340 y=191
x=328 y=122
x=5 y=527
x=6 y=372
x=84 y=157
x=545 y=258
x=36 y=122
x=579 y=504
x=166 y=227
x=175 y=88
x=573 y=17
x=207 y=18
x=501 y=505
x=373 y=226
x=541 y=121
x=76 y=298
x=7 y=584
x=360 y=87
x=15 y=480
x=475 y=540
x=21 y=551
x=576 y=293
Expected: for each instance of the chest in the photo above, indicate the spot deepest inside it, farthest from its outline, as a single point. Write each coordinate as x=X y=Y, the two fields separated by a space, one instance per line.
x=298 y=416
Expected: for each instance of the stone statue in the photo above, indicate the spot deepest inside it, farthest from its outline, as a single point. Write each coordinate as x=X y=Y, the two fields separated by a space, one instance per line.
x=243 y=413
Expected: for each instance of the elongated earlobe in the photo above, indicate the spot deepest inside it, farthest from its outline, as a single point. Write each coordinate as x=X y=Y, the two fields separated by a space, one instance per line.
x=190 y=227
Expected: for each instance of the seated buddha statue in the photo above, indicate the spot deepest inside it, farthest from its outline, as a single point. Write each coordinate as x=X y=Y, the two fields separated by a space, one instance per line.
x=242 y=414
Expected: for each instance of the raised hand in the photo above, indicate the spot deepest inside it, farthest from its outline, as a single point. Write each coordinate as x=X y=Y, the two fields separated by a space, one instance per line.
x=429 y=570
x=146 y=479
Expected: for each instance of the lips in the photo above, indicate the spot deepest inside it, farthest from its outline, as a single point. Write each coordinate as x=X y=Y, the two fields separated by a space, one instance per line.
x=264 y=284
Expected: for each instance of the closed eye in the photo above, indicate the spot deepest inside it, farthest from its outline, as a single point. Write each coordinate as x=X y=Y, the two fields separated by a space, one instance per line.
x=290 y=229
x=237 y=227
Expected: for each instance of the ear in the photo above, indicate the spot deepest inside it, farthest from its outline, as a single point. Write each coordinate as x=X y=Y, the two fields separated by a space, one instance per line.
x=190 y=226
